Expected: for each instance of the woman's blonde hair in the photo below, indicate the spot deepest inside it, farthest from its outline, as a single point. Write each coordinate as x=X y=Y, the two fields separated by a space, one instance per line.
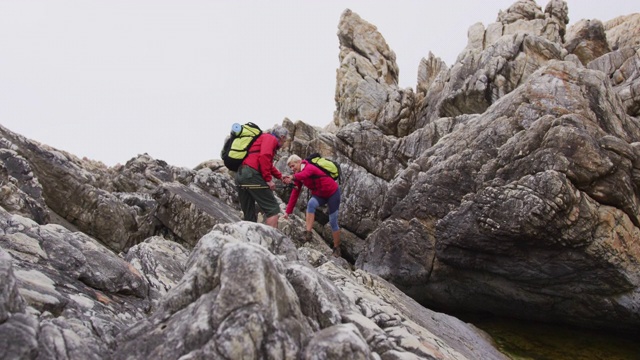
x=293 y=158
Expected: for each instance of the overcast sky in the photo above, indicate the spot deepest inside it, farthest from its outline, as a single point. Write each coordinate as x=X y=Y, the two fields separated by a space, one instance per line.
x=111 y=79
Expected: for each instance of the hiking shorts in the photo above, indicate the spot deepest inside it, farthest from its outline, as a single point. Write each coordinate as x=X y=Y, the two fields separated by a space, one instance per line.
x=247 y=175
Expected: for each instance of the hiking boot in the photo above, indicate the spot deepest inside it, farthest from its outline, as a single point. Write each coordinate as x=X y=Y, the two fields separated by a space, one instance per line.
x=336 y=252
x=307 y=236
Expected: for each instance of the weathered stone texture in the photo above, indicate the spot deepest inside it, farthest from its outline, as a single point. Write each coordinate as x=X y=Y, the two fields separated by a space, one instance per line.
x=506 y=183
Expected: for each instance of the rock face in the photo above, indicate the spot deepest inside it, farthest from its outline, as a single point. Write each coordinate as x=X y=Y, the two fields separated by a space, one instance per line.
x=518 y=194
x=199 y=284
x=241 y=292
x=367 y=80
x=507 y=183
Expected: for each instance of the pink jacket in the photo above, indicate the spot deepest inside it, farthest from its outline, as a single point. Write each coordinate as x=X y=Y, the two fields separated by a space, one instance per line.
x=319 y=183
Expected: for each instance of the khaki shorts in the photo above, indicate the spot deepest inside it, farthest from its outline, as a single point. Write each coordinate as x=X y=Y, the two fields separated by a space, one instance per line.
x=249 y=197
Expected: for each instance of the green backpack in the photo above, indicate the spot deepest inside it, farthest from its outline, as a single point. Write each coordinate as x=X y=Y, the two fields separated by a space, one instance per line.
x=237 y=146
x=330 y=167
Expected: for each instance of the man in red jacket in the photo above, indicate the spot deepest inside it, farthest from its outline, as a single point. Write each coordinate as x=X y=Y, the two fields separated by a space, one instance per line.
x=324 y=190
x=255 y=177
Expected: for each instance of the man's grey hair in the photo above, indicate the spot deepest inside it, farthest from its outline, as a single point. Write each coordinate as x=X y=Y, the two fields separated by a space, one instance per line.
x=280 y=131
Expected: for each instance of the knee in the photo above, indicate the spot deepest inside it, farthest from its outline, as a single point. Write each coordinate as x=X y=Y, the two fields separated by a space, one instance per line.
x=333 y=221
x=312 y=205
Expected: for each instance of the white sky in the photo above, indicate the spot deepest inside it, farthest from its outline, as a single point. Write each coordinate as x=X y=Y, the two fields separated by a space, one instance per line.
x=111 y=79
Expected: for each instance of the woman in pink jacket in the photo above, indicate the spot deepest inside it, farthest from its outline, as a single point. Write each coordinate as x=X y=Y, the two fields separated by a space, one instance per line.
x=324 y=190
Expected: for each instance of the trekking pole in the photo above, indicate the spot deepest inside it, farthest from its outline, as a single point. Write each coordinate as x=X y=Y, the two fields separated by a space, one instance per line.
x=258 y=186
x=253 y=187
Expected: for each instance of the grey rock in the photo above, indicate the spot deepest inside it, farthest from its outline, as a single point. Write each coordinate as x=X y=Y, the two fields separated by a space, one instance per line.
x=20 y=191
x=63 y=288
x=507 y=183
x=75 y=189
x=18 y=337
x=218 y=182
x=395 y=326
x=582 y=133
x=587 y=40
x=10 y=299
x=342 y=341
x=145 y=174
x=367 y=80
x=253 y=298
x=622 y=68
x=622 y=31
x=190 y=212
x=161 y=262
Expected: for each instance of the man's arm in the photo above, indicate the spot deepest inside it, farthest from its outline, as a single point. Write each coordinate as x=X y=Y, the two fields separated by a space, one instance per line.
x=265 y=159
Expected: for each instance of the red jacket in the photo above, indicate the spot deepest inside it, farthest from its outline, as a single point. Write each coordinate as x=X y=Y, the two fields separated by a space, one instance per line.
x=261 y=155
x=319 y=183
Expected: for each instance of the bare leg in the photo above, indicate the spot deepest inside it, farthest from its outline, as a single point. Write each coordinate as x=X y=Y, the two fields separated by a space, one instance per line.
x=336 y=243
x=336 y=238
x=308 y=224
x=309 y=219
x=272 y=221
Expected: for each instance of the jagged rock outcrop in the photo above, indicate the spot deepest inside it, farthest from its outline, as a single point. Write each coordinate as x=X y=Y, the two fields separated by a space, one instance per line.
x=623 y=32
x=80 y=195
x=558 y=150
x=526 y=16
x=367 y=80
x=118 y=206
x=527 y=206
x=497 y=60
x=429 y=71
x=622 y=64
x=587 y=40
x=65 y=287
x=508 y=183
x=145 y=174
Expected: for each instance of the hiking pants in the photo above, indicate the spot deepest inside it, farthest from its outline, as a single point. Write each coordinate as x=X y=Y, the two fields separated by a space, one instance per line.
x=334 y=203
